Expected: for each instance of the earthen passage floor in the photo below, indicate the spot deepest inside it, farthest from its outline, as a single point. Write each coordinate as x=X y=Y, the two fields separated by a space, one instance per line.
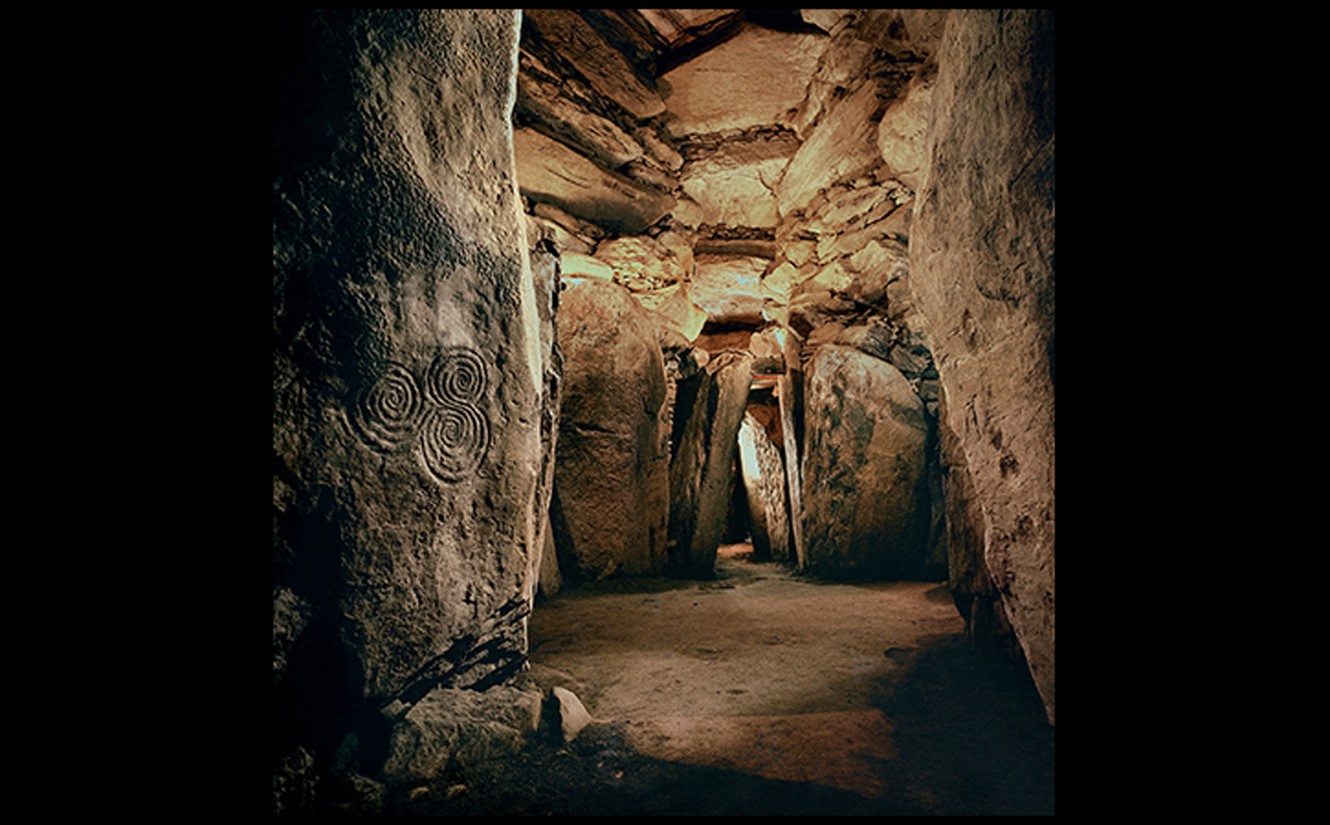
x=865 y=689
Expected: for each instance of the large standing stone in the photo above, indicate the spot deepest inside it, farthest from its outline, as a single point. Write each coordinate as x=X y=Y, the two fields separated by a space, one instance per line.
x=981 y=259
x=611 y=470
x=543 y=256
x=549 y=171
x=408 y=376
x=764 y=482
x=865 y=495
x=789 y=391
x=702 y=469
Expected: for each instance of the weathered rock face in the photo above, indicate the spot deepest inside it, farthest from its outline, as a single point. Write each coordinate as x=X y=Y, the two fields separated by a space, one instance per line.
x=756 y=78
x=728 y=289
x=408 y=373
x=764 y=481
x=611 y=467
x=734 y=183
x=460 y=728
x=865 y=492
x=702 y=468
x=541 y=98
x=543 y=256
x=841 y=146
x=551 y=172
x=901 y=137
x=603 y=66
x=981 y=251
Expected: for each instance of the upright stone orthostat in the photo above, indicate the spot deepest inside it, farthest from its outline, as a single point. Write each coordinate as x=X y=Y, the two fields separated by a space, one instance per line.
x=702 y=469
x=981 y=257
x=865 y=494
x=408 y=372
x=764 y=482
x=611 y=475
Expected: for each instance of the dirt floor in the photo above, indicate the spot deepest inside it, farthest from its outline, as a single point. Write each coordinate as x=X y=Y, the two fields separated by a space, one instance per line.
x=765 y=693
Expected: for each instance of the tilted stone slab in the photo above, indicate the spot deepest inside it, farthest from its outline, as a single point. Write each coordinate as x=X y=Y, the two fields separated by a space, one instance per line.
x=842 y=145
x=865 y=495
x=545 y=102
x=702 y=469
x=547 y=170
x=604 y=66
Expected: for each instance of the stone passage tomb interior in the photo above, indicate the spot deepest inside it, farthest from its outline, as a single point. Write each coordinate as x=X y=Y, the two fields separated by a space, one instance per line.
x=663 y=411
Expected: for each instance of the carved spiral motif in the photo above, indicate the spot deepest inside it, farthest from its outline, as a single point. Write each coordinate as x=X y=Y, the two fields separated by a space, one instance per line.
x=446 y=421
x=456 y=377
x=453 y=440
x=386 y=412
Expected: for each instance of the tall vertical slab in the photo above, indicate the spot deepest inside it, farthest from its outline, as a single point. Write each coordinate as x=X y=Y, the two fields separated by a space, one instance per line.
x=981 y=260
x=611 y=474
x=407 y=375
x=702 y=469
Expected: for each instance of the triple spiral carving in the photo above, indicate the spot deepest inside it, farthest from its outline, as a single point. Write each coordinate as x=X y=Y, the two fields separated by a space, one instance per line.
x=443 y=420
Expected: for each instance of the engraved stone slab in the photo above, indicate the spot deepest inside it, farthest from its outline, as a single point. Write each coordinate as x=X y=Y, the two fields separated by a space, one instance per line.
x=408 y=371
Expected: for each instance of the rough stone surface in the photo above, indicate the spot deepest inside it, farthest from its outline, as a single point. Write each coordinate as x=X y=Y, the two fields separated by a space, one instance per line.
x=865 y=497
x=842 y=145
x=756 y=78
x=541 y=99
x=901 y=136
x=576 y=268
x=611 y=471
x=641 y=262
x=604 y=66
x=763 y=474
x=571 y=714
x=547 y=170
x=659 y=148
x=982 y=251
x=543 y=257
x=702 y=469
x=407 y=379
x=675 y=309
x=736 y=184
x=450 y=727
x=729 y=289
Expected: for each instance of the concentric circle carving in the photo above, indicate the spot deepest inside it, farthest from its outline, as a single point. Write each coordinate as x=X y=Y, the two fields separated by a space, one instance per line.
x=453 y=441
x=457 y=376
x=443 y=415
x=387 y=411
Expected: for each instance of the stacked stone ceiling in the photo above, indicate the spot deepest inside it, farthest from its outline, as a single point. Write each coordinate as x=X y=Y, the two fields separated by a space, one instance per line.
x=691 y=156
